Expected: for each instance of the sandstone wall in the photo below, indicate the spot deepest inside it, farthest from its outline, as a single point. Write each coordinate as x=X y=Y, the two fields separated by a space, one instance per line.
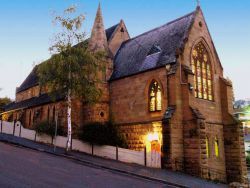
x=212 y=125
x=27 y=94
x=129 y=98
x=129 y=104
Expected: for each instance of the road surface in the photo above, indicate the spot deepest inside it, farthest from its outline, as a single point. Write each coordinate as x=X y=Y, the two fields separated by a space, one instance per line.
x=23 y=168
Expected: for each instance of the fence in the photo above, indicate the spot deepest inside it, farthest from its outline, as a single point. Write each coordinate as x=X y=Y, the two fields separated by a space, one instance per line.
x=149 y=159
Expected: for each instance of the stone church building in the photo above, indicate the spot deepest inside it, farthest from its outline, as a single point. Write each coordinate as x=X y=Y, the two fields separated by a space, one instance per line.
x=167 y=81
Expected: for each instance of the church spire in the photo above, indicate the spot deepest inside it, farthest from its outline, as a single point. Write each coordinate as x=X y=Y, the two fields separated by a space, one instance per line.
x=98 y=39
x=198 y=3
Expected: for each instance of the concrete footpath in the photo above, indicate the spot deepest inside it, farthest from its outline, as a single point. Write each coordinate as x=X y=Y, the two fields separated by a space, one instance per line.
x=160 y=175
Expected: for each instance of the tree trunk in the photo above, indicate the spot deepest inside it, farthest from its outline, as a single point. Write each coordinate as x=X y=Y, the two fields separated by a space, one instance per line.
x=69 y=122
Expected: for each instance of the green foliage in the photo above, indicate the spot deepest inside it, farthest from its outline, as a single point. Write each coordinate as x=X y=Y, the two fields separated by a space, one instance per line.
x=73 y=69
x=246 y=109
x=4 y=101
x=48 y=128
x=248 y=160
x=102 y=134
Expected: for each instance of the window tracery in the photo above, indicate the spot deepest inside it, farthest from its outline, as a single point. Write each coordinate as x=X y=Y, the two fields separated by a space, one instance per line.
x=155 y=97
x=201 y=67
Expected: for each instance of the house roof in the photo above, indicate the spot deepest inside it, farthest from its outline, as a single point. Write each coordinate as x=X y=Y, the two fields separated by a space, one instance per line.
x=247 y=138
x=32 y=79
x=134 y=56
x=110 y=31
x=35 y=101
x=137 y=54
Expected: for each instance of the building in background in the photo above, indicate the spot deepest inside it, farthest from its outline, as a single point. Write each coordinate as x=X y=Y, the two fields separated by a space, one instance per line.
x=242 y=113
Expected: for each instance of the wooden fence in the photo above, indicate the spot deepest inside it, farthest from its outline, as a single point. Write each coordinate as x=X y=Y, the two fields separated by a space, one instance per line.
x=149 y=159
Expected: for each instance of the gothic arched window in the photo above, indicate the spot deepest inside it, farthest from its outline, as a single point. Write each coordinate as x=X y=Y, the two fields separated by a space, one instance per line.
x=155 y=97
x=201 y=67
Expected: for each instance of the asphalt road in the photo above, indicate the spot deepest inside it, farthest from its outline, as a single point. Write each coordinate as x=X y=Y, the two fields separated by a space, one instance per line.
x=22 y=168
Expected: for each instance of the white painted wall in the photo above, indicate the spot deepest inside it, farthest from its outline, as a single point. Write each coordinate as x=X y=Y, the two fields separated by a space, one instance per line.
x=105 y=151
x=44 y=139
x=27 y=133
x=124 y=155
x=78 y=145
x=130 y=156
x=17 y=128
x=60 y=141
x=7 y=127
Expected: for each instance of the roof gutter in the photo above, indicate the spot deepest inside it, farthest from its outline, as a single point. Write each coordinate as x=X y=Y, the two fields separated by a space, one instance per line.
x=11 y=111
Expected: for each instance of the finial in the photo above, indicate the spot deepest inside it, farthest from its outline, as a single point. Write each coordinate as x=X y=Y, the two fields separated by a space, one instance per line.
x=198 y=3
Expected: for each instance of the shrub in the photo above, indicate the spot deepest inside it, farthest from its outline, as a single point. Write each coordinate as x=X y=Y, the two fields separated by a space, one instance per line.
x=102 y=134
x=48 y=128
x=248 y=160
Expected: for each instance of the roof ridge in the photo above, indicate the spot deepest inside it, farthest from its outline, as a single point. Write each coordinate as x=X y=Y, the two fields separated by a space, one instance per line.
x=168 y=23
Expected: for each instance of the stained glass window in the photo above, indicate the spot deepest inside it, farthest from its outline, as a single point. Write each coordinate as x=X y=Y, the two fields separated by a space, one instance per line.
x=155 y=97
x=216 y=147
x=201 y=67
x=207 y=147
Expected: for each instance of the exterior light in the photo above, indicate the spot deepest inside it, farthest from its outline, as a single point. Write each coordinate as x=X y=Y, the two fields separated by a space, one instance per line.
x=153 y=137
x=191 y=87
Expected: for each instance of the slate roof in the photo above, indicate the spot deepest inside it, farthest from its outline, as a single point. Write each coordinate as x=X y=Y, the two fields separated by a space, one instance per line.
x=35 y=101
x=32 y=79
x=247 y=138
x=132 y=58
x=110 y=31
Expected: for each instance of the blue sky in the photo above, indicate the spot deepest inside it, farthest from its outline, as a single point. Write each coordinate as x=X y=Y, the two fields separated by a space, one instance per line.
x=26 y=31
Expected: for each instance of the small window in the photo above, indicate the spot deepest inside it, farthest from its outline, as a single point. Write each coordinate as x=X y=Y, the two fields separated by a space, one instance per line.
x=102 y=114
x=207 y=147
x=155 y=49
x=216 y=147
x=155 y=97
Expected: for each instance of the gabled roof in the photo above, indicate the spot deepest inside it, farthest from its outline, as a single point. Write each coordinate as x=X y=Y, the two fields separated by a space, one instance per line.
x=32 y=79
x=110 y=31
x=132 y=57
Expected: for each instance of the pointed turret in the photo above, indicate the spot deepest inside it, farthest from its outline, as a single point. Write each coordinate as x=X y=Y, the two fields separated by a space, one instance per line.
x=98 y=40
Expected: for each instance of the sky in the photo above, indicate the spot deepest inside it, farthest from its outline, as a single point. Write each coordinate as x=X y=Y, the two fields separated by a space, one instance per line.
x=26 y=31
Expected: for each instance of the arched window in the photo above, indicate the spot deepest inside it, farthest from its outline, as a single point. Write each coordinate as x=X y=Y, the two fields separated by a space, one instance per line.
x=201 y=67
x=216 y=147
x=155 y=97
x=207 y=147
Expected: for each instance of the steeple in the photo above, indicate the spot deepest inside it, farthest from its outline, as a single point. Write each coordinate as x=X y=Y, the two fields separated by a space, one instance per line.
x=198 y=3
x=98 y=40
